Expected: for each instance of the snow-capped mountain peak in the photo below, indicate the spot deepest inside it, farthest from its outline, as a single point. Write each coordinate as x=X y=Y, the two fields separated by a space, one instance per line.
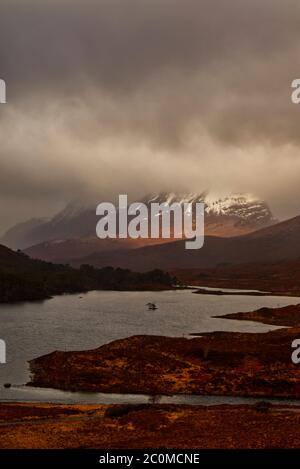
x=243 y=212
x=228 y=215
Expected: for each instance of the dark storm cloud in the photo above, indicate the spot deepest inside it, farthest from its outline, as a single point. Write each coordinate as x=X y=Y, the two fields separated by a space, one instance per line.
x=235 y=57
x=147 y=94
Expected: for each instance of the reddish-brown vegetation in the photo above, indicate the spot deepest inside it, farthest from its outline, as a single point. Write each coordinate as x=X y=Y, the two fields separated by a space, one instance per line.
x=153 y=427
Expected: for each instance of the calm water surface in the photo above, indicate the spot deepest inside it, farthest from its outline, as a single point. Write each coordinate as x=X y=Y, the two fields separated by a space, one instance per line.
x=78 y=322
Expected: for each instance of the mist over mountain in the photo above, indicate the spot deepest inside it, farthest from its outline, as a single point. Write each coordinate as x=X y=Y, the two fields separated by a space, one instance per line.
x=138 y=96
x=71 y=233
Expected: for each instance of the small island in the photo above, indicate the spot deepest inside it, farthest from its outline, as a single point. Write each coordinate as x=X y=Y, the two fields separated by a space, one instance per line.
x=218 y=363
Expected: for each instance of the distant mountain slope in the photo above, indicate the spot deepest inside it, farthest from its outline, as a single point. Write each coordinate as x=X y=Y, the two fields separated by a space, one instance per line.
x=71 y=233
x=243 y=210
x=25 y=279
x=11 y=261
x=20 y=235
x=66 y=251
x=73 y=221
x=237 y=214
x=280 y=277
x=286 y=231
x=276 y=243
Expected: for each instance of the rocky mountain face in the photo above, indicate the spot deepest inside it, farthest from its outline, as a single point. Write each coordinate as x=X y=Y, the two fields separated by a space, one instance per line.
x=71 y=234
x=227 y=216
x=74 y=221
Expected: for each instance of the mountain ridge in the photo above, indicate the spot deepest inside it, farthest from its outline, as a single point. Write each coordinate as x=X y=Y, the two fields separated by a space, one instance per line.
x=277 y=243
x=70 y=234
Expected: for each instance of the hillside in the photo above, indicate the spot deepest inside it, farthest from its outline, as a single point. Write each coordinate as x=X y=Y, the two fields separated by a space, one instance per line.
x=25 y=279
x=273 y=244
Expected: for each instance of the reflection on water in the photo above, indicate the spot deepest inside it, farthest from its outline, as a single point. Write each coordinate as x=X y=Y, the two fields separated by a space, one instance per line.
x=78 y=322
x=23 y=393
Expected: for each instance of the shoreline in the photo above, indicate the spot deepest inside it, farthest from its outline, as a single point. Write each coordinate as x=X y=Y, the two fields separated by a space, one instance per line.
x=217 y=291
x=278 y=278
x=218 y=363
x=153 y=288
x=288 y=316
x=221 y=363
x=220 y=292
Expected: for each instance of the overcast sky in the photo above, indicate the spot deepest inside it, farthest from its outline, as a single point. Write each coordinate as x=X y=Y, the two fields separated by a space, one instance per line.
x=135 y=96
